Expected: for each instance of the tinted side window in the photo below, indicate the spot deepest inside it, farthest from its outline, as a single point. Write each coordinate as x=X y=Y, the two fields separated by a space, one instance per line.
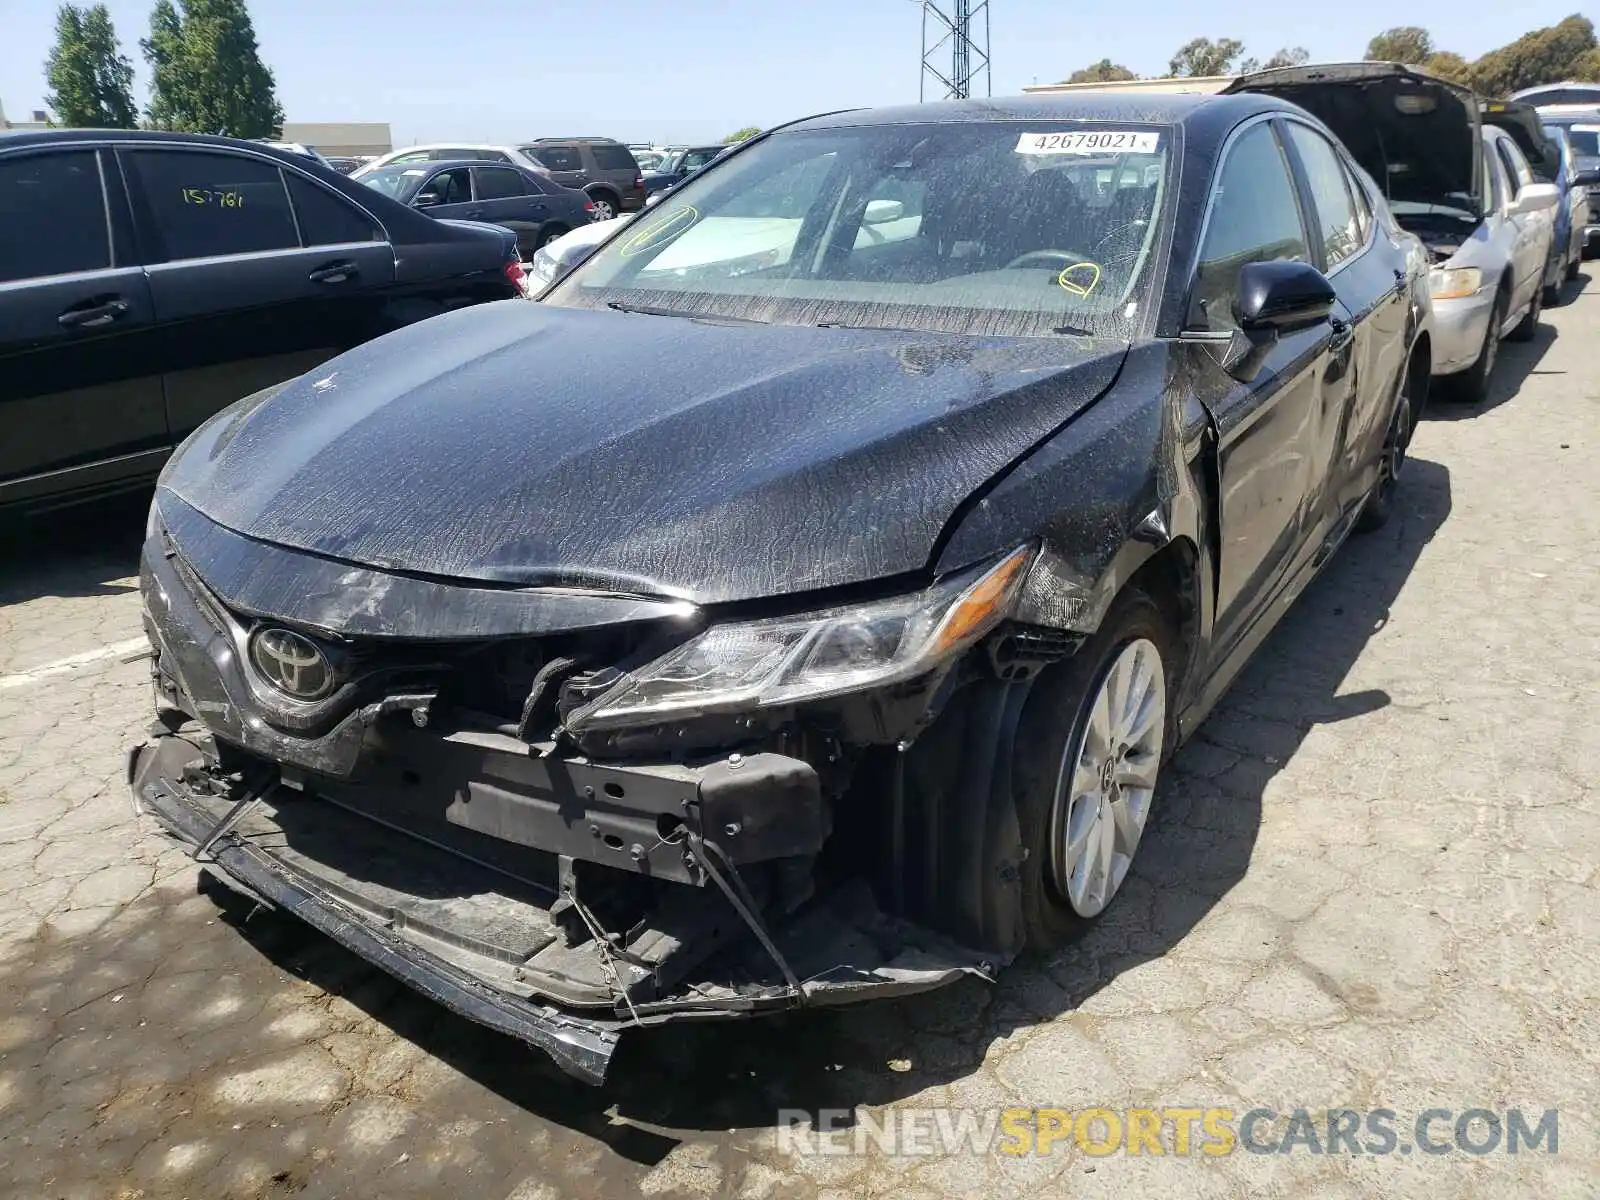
x=614 y=158
x=327 y=220
x=1337 y=227
x=496 y=183
x=415 y=156
x=207 y=204
x=1254 y=218
x=52 y=215
x=557 y=158
x=693 y=160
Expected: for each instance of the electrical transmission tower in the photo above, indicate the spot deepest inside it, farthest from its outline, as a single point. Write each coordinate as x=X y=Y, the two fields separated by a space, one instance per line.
x=955 y=32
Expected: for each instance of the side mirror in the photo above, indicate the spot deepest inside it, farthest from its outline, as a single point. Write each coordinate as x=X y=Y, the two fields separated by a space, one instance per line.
x=1586 y=178
x=426 y=200
x=1535 y=197
x=1282 y=295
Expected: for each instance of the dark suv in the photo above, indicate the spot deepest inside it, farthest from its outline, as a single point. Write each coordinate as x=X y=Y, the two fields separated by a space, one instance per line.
x=604 y=168
x=149 y=280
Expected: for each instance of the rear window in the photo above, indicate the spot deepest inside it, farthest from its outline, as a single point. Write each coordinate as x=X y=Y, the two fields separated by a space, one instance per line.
x=614 y=158
x=53 y=214
x=555 y=158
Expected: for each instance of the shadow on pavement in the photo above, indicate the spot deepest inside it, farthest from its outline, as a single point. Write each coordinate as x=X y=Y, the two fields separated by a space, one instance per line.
x=704 y=1082
x=79 y=551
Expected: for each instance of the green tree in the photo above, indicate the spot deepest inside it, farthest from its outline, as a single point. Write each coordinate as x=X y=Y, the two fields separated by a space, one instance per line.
x=1402 y=44
x=91 y=80
x=1544 y=56
x=1448 y=65
x=741 y=135
x=1290 y=56
x=206 y=71
x=1104 y=71
x=1202 y=56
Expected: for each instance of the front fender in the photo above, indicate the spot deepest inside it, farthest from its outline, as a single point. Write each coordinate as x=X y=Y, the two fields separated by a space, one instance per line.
x=1125 y=479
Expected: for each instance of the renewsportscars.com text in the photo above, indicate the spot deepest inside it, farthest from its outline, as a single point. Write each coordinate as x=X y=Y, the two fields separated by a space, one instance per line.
x=1182 y=1131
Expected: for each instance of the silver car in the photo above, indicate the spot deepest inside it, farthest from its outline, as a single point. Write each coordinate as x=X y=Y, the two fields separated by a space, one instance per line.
x=1465 y=188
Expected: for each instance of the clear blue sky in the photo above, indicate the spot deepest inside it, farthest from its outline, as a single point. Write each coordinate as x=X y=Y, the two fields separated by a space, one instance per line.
x=696 y=69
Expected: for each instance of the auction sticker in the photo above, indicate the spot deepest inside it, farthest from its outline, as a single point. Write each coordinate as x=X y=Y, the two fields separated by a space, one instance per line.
x=1090 y=141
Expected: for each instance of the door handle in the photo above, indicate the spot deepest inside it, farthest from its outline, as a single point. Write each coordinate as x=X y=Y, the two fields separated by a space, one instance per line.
x=95 y=315
x=474 y=212
x=334 y=273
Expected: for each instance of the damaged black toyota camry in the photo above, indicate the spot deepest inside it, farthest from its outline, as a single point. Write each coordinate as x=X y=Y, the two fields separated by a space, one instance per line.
x=798 y=605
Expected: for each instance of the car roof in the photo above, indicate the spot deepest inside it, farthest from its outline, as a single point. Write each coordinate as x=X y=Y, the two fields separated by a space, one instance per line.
x=13 y=138
x=1205 y=119
x=443 y=163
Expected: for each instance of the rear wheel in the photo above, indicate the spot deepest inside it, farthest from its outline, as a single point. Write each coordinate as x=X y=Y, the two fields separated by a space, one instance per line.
x=550 y=233
x=606 y=206
x=1087 y=759
x=1573 y=262
x=1376 y=511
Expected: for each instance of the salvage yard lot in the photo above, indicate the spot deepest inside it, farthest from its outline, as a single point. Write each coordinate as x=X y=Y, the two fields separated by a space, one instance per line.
x=1379 y=889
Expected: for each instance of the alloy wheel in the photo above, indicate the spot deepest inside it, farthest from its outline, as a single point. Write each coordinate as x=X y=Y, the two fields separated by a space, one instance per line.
x=1107 y=780
x=604 y=210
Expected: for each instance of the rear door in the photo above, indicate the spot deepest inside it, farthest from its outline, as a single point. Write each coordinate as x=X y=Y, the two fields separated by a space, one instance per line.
x=257 y=274
x=1366 y=357
x=505 y=197
x=1270 y=435
x=80 y=379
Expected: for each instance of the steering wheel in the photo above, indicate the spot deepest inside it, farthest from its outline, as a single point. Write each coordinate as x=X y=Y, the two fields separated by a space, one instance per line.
x=1065 y=258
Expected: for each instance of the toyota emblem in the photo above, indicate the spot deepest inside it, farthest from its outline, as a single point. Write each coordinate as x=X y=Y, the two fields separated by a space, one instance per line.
x=292 y=663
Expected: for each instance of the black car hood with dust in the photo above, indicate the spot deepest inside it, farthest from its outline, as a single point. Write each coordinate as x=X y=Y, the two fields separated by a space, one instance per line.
x=1432 y=155
x=520 y=444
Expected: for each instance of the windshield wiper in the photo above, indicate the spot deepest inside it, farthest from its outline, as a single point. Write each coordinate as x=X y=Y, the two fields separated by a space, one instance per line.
x=1073 y=331
x=650 y=310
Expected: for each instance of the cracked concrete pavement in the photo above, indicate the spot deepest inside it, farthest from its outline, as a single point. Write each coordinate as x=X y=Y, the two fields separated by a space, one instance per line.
x=1370 y=882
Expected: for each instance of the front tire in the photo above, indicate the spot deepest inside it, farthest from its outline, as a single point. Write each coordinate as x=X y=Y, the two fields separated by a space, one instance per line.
x=1529 y=325
x=1472 y=385
x=1088 y=754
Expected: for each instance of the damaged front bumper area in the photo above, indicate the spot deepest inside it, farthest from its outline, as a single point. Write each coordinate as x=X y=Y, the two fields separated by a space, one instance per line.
x=519 y=883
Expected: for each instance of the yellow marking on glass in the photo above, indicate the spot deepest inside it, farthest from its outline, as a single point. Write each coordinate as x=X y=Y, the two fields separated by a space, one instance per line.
x=1073 y=278
x=669 y=226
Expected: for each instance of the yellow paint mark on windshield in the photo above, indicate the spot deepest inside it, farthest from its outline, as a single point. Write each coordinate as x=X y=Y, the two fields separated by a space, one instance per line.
x=1080 y=278
x=654 y=235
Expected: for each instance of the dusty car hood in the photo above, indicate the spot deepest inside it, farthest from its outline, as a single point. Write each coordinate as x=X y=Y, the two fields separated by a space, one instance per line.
x=1427 y=157
x=524 y=444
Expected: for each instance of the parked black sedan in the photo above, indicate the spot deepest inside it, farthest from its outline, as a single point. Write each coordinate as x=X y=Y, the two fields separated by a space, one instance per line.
x=537 y=210
x=799 y=604
x=149 y=280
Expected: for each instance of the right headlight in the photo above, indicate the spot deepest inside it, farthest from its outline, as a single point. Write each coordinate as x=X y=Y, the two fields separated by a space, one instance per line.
x=786 y=660
x=1451 y=283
